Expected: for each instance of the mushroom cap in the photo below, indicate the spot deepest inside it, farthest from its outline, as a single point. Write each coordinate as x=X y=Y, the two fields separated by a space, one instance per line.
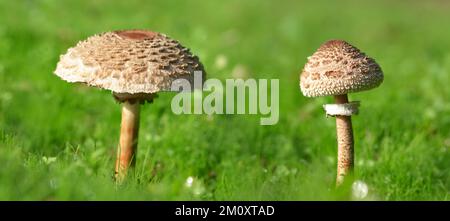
x=338 y=68
x=129 y=62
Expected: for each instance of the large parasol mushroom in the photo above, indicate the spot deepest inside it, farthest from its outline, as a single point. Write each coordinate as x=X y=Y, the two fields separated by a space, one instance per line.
x=134 y=65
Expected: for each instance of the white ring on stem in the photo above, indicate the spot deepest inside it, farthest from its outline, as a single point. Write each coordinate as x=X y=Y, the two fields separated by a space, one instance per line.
x=347 y=109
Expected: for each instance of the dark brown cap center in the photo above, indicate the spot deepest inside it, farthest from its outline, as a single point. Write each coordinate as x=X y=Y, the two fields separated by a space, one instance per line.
x=136 y=34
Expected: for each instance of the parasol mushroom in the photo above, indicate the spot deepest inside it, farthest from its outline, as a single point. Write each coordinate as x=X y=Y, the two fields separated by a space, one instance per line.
x=135 y=65
x=337 y=69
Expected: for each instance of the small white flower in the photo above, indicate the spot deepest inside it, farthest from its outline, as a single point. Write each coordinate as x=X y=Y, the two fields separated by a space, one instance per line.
x=359 y=190
x=189 y=181
x=195 y=186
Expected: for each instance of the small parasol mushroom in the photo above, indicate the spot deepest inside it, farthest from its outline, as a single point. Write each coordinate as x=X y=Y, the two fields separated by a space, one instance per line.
x=336 y=69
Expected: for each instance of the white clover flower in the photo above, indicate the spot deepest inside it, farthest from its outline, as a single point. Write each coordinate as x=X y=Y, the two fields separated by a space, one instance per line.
x=189 y=181
x=360 y=190
x=195 y=186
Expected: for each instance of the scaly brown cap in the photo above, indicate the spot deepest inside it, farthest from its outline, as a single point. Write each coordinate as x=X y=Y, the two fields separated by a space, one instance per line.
x=130 y=62
x=338 y=68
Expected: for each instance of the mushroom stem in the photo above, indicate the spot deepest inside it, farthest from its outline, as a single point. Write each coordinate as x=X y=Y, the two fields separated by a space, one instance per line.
x=129 y=132
x=345 y=142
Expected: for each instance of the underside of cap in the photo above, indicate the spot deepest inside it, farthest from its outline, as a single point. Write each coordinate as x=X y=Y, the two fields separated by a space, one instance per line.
x=338 y=68
x=129 y=62
x=136 y=97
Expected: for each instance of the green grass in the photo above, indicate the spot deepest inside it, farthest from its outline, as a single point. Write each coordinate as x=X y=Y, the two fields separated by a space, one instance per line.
x=57 y=140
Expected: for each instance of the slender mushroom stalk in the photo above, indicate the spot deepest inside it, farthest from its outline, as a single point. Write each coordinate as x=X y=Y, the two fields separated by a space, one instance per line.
x=129 y=133
x=344 y=133
x=135 y=65
x=336 y=69
x=129 y=130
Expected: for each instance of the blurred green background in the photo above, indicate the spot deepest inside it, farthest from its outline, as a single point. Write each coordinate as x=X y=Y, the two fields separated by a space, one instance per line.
x=58 y=140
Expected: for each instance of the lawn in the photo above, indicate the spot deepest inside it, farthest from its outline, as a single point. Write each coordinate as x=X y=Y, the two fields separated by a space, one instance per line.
x=58 y=140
